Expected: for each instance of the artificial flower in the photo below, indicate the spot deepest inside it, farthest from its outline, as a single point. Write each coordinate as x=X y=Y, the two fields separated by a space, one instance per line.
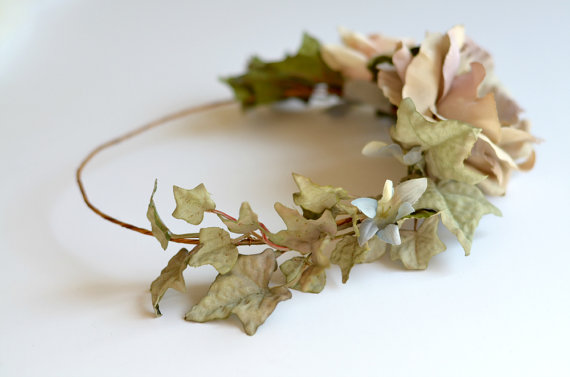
x=352 y=57
x=384 y=213
x=451 y=77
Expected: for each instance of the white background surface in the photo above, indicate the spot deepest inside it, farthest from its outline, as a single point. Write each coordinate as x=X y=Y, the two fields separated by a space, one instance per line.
x=74 y=287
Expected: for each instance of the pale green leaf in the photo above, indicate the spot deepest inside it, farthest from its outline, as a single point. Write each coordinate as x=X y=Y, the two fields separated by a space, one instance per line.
x=243 y=291
x=461 y=206
x=159 y=230
x=191 y=204
x=170 y=277
x=419 y=246
x=246 y=223
x=347 y=253
x=301 y=274
x=216 y=248
x=446 y=144
x=307 y=274
x=315 y=198
x=302 y=235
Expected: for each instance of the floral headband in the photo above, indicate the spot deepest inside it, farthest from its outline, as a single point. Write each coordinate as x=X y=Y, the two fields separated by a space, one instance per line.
x=456 y=129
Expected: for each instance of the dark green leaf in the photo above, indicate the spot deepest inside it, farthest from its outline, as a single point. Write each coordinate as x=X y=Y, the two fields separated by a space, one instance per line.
x=295 y=76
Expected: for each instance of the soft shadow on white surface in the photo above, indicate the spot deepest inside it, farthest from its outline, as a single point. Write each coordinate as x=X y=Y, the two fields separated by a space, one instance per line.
x=238 y=158
x=256 y=150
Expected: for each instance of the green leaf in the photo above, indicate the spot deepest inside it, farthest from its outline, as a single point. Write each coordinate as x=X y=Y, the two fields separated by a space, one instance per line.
x=301 y=274
x=170 y=277
x=191 y=204
x=315 y=198
x=302 y=235
x=419 y=246
x=216 y=248
x=461 y=206
x=446 y=144
x=294 y=76
x=421 y=214
x=244 y=291
x=347 y=253
x=159 y=230
x=246 y=223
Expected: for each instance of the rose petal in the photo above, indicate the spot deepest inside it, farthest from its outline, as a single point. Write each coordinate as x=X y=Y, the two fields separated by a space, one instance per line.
x=485 y=161
x=386 y=45
x=529 y=163
x=491 y=186
x=401 y=59
x=350 y=63
x=456 y=36
x=391 y=84
x=472 y=52
x=461 y=103
x=424 y=73
x=507 y=108
x=357 y=41
x=514 y=135
x=499 y=153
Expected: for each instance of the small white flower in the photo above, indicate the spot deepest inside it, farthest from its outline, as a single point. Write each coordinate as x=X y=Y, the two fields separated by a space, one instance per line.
x=382 y=214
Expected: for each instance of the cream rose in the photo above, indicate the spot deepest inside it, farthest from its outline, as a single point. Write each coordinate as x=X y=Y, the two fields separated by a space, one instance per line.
x=452 y=78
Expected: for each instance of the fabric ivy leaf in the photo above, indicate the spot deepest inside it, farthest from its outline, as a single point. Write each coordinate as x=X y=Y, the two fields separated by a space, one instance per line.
x=461 y=206
x=170 y=277
x=243 y=291
x=302 y=235
x=216 y=248
x=446 y=144
x=159 y=230
x=191 y=204
x=347 y=253
x=295 y=76
x=419 y=246
x=315 y=198
x=246 y=223
x=301 y=274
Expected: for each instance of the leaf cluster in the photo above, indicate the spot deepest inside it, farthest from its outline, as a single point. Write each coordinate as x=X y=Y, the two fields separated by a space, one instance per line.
x=296 y=76
x=324 y=232
x=325 y=229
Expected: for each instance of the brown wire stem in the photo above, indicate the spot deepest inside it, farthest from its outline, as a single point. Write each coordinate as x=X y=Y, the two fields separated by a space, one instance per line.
x=131 y=134
x=260 y=240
